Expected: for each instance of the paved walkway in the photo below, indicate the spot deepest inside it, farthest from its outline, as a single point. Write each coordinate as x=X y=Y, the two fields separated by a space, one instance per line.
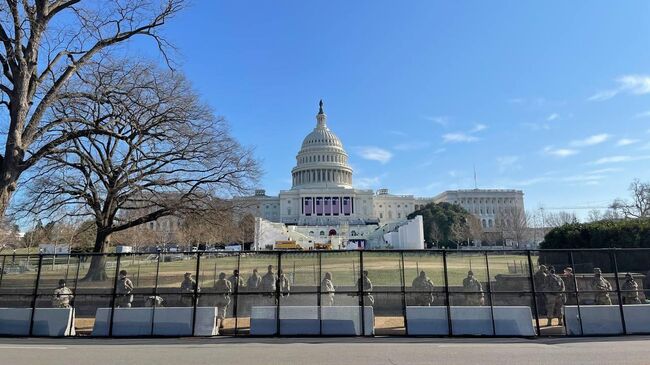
x=327 y=351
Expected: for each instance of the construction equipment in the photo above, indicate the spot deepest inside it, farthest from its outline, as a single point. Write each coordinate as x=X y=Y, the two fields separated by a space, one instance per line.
x=323 y=246
x=287 y=245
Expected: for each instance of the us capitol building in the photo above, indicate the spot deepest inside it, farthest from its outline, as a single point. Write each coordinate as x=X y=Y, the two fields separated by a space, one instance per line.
x=323 y=205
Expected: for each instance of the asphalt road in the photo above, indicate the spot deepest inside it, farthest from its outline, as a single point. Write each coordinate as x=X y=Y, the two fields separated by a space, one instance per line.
x=330 y=351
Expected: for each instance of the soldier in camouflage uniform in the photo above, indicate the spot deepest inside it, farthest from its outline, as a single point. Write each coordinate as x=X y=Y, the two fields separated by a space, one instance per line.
x=254 y=281
x=423 y=287
x=539 y=279
x=570 y=286
x=602 y=287
x=285 y=286
x=268 y=286
x=630 y=290
x=555 y=294
x=471 y=285
x=327 y=289
x=222 y=288
x=187 y=290
x=123 y=291
x=62 y=296
x=236 y=282
x=366 y=286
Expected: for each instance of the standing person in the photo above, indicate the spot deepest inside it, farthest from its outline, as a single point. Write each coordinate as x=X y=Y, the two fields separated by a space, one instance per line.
x=602 y=287
x=187 y=290
x=268 y=286
x=630 y=290
x=222 y=288
x=123 y=291
x=570 y=286
x=366 y=286
x=327 y=288
x=236 y=282
x=539 y=279
x=423 y=287
x=555 y=297
x=474 y=289
x=285 y=286
x=62 y=296
x=253 y=283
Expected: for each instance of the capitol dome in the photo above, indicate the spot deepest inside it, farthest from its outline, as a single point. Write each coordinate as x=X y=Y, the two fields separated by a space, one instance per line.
x=322 y=161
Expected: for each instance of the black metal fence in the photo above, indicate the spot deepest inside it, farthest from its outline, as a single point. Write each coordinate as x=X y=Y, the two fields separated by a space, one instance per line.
x=503 y=287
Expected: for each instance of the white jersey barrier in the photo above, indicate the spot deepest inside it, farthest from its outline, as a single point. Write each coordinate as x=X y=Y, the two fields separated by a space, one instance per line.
x=476 y=321
x=49 y=322
x=304 y=320
x=606 y=319
x=158 y=321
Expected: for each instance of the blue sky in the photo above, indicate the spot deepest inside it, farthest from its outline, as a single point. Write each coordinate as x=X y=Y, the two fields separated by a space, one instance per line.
x=550 y=97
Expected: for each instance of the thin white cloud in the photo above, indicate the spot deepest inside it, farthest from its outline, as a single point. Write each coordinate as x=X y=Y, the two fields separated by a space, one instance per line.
x=398 y=133
x=645 y=114
x=629 y=84
x=506 y=163
x=591 y=140
x=559 y=152
x=439 y=150
x=442 y=120
x=605 y=170
x=375 y=154
x=478 y=127
x=619 y=159
x=536 y=126
x=367 y=182
x=552 y=117
x=458 y=138
x=411 y=146
x=626 y=141
x=516 y=100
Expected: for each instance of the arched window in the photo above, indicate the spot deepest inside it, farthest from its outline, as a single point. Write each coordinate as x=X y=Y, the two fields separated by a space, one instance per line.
x=322 y=233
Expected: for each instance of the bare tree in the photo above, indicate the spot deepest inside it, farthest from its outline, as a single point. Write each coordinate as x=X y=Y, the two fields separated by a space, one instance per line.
x=45 y=43
x=161 y=153
x=513 y=222
x=639 y=206
x=560 y=218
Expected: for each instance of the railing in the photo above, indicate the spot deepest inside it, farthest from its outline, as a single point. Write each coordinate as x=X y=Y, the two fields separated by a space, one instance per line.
x=380 y=285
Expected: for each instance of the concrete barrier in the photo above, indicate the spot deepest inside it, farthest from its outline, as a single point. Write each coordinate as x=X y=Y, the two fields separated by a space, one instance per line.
x=304 y=320
x=346 y=321
x=49 y=322
x=476 y=321
x=596 y=320
x=159 y=321
x=637 y=318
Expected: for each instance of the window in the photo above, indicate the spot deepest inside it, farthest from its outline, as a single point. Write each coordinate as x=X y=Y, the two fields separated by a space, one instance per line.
x=381 y=215
x=399 y=215
x=288 y=211
x=322 y=233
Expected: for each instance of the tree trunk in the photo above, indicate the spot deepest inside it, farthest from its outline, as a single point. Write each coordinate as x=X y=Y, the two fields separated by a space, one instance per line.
x=97 y=269
x=7 y=188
